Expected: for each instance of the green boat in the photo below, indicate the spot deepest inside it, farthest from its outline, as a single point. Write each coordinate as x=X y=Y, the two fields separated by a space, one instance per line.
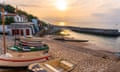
x=28 y=48
x=29 y=45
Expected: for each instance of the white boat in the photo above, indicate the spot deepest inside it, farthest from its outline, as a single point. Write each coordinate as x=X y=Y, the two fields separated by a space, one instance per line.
x=15 y=59
x=55 y=65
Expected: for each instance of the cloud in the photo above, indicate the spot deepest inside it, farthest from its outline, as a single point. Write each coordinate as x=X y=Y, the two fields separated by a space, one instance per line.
x=112 y=16
x=31 y=3
x=83 y=11
x=26 y=5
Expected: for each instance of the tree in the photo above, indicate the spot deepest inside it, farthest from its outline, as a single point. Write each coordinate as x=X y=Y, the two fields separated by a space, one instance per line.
x=30 y=17
x=9 y=20
x=22 y=12
x=43 y=23
x=9 y=8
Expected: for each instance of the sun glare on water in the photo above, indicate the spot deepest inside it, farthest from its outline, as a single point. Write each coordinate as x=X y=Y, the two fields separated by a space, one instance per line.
x=61 y=5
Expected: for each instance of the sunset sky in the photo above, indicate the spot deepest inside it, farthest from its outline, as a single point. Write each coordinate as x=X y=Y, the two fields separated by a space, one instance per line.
x=83 y=11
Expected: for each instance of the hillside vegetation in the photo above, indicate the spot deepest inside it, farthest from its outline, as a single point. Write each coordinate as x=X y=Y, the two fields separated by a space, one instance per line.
x=11 y=9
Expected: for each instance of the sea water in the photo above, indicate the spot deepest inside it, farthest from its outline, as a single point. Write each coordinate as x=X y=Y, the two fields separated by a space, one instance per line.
x=105 y=42
x=101 y=41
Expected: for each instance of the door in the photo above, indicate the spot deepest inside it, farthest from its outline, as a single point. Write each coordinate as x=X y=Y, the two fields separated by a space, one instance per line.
x=21 y=32
x=27 y=32
x=13 y=32
x=17 y=32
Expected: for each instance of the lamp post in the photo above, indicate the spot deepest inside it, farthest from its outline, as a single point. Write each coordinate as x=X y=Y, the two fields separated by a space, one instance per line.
x=3 y=26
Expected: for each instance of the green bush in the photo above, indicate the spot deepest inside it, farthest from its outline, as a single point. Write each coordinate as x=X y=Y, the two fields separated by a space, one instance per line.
x=8 y=20
x=11 y=9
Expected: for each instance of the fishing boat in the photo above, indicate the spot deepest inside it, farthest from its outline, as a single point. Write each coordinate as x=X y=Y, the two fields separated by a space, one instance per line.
x=26 y=46
x=30 y=39
x=55 y=65
x=15 y=59
x=69 y=39
x=10 y=58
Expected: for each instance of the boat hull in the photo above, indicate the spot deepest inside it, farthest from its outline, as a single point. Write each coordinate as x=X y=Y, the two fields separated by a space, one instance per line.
x=22 y=59
x=16 y=48
x=52 y=66
x=21 y=63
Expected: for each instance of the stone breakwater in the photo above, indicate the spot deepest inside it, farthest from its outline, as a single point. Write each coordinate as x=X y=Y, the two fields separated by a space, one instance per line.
x=95 y=31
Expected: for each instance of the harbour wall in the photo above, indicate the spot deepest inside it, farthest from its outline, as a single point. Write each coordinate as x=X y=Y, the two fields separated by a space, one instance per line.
x=96 y=31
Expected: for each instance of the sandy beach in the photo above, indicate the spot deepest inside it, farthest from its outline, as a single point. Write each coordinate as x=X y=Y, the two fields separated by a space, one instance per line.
x=86 y=59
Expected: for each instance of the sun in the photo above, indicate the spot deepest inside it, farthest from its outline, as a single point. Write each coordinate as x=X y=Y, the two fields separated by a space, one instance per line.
x=61 y=5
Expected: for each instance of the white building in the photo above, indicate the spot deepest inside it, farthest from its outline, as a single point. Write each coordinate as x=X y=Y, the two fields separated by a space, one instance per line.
x=21 y=29
x=20 y=18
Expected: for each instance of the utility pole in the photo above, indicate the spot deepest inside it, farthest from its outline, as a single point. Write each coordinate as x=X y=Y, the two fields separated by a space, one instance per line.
x=3 y=26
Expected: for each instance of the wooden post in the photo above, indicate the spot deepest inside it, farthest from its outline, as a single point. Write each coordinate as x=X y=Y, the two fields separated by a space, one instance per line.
x=3 y=26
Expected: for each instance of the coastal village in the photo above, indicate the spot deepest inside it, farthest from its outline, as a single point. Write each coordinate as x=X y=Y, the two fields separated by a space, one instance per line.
x=21 y=25
x=29 y=44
